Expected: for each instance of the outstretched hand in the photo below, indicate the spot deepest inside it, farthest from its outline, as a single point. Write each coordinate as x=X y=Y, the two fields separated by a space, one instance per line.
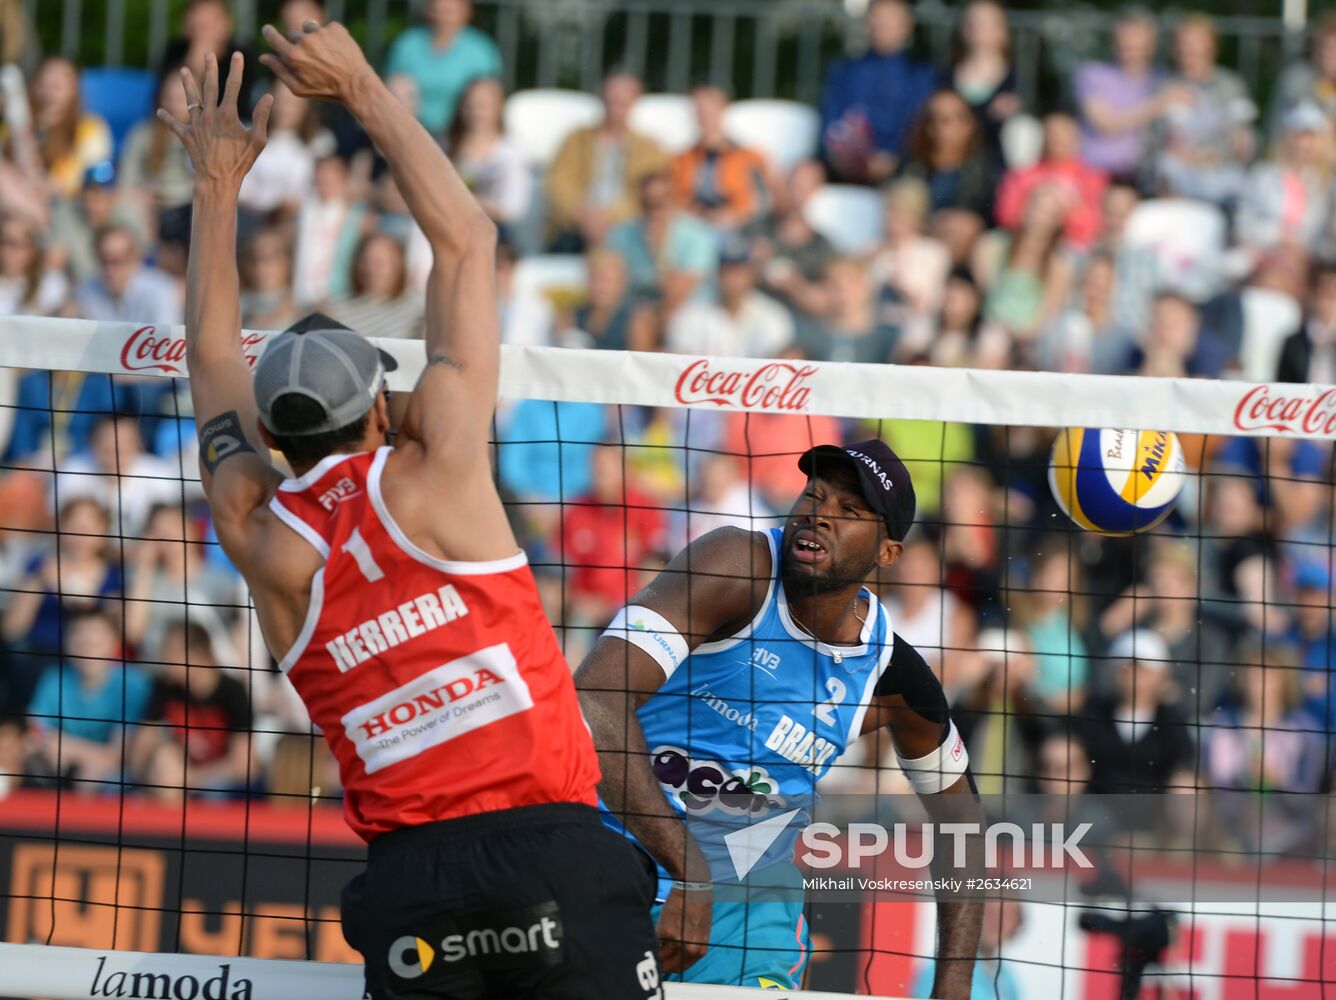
x=221 y=149
x=324 y=63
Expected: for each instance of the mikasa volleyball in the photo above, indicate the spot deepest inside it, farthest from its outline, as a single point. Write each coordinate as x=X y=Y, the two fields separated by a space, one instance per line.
x=1116 y=482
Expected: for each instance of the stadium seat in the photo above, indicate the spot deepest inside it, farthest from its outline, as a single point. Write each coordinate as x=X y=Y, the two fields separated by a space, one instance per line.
x=785 y=131
x=668 y=119
x=1022 y=141
x=847 y=215
x=538 y=121
x=552 y=276
x=123 y=97
x=1186 y=239
x=1268 y=318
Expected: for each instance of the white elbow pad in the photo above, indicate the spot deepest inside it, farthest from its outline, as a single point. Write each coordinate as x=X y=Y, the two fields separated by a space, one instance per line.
x=648 y=630
x=940 y=769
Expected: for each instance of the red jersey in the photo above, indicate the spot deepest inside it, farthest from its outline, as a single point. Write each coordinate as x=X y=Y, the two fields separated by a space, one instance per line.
x=438 y=685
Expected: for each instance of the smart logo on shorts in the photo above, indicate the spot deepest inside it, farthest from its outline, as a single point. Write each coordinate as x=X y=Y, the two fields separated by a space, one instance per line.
x=499 y=940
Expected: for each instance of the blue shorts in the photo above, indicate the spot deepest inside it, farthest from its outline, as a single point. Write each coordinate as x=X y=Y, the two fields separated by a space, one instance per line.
x=758 y=937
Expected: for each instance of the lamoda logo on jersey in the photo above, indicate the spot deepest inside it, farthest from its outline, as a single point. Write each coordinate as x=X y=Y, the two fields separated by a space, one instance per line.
x=148 y=349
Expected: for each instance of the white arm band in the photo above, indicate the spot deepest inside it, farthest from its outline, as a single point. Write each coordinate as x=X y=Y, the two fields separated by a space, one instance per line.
x=940 y=769
x=650 y=631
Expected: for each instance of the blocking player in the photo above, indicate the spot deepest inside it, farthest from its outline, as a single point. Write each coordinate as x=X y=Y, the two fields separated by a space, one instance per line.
x=390 y=588
x=745 y=668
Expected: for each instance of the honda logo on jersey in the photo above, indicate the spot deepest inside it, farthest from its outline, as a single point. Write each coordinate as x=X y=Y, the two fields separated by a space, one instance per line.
x=440 y=705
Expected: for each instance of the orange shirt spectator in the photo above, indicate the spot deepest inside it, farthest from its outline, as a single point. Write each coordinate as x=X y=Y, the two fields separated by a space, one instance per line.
x=723 y=182
x=1061 y=167
x=768 y=446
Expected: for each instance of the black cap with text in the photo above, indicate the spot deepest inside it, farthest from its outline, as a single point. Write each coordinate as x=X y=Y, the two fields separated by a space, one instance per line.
x=885 y=480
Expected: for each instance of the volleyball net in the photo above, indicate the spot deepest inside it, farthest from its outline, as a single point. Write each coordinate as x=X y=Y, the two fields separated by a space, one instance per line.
x=166 y=808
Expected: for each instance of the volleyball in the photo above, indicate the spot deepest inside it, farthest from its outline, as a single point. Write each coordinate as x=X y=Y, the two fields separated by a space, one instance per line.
x=1116 y=482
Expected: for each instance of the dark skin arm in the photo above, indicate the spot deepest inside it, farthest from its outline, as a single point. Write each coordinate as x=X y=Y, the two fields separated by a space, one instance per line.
x=959 y=921
x=699 y=593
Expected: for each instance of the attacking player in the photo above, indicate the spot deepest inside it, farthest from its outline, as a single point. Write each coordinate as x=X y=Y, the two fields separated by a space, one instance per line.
x=390 y=588
x=745 y=668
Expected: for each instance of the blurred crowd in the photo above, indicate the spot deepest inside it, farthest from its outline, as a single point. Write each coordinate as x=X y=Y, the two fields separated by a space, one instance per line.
x=1008 y=236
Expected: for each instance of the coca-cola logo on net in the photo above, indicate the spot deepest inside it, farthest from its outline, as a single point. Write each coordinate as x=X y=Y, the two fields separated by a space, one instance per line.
x=1267 y=408
x=148 y=350
x=771 y=385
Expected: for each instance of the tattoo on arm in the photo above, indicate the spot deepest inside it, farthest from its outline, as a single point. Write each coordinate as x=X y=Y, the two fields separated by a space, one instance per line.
x=445 y=359
x=221 y=438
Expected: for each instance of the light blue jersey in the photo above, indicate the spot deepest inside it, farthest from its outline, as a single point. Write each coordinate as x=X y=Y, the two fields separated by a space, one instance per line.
x=746 y=726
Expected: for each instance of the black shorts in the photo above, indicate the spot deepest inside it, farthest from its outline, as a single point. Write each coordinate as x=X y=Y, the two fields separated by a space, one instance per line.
x=541 y=902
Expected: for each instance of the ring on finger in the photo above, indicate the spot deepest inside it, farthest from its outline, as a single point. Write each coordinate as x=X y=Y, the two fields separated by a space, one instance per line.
x=310 y=26
x=193 y=105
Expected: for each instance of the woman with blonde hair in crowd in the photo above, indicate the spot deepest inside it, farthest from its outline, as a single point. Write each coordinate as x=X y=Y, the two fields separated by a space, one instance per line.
x=382 y=304
x=69 y=140
x=491 y=165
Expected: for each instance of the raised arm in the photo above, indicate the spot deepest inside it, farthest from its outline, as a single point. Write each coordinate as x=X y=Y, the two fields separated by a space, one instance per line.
x=709 y=589
x=221 y=151
x=451 y=409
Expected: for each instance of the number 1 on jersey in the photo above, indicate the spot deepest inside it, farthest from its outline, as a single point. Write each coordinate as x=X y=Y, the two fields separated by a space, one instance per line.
x=357 y=547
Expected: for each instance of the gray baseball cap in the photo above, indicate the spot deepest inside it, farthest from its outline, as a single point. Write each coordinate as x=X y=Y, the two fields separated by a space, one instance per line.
x=321 y=359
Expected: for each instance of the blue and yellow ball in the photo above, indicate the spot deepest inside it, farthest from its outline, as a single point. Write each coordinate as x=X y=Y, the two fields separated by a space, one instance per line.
x=1116 y=482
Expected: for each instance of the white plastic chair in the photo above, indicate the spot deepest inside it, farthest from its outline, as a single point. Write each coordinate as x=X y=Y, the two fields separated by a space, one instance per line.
x=1022 y=141
x=538 y=121
x=849 y=216
x=1186 y=239
x=668 y=119
x=785 y=131
x=1268 y=318
x=543 y=274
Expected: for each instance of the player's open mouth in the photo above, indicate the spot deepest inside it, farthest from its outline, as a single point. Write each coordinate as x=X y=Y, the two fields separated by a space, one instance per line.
x=805 y=548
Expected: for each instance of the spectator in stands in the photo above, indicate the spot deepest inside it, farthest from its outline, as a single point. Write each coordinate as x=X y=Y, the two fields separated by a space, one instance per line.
x=27 y=286
x=1119 y=101
x=1309 y=354
x=961 y=337
x=443 y=57
x=1166 y=602
x=195 y=732
x=982 y=70
x=491 y=165
x=791 y=255
x=281 y=175
x=768 y=446
x=739 y=322
x=1238 y=554
x=720 y=497
x=76 y=572
x=1202 y=145
x=947 y=152
x=544 y=451
x=1287 y=200
x=206 y=26
x=860 y=323
x=1051 y=611
x=119 y=474
x=80 y=708
x=155 y=175
x=1177 y=345
x=1137 y=736
x=1080 y=187
x=670 y=255
x=526 y=315
x=1030 y=282
x=725 y=184
x=70 y=141
x=931 y=618
x=266 y=282
x=381 y=303
x=609 y=318
x=126 y=289
x=75 y=224
x=909 y=264
x=607 y=532
x=972 y=541
x=1313 y=635
x=171 y=579
x=16 y=772
x=329 y=228
x=599 y=172
x=1310 y=81
x=1086 y=336
x=870 y=102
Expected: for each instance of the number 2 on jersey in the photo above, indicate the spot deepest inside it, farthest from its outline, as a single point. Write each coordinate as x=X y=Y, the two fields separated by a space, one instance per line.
x=357 y=547
x=826 y=710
